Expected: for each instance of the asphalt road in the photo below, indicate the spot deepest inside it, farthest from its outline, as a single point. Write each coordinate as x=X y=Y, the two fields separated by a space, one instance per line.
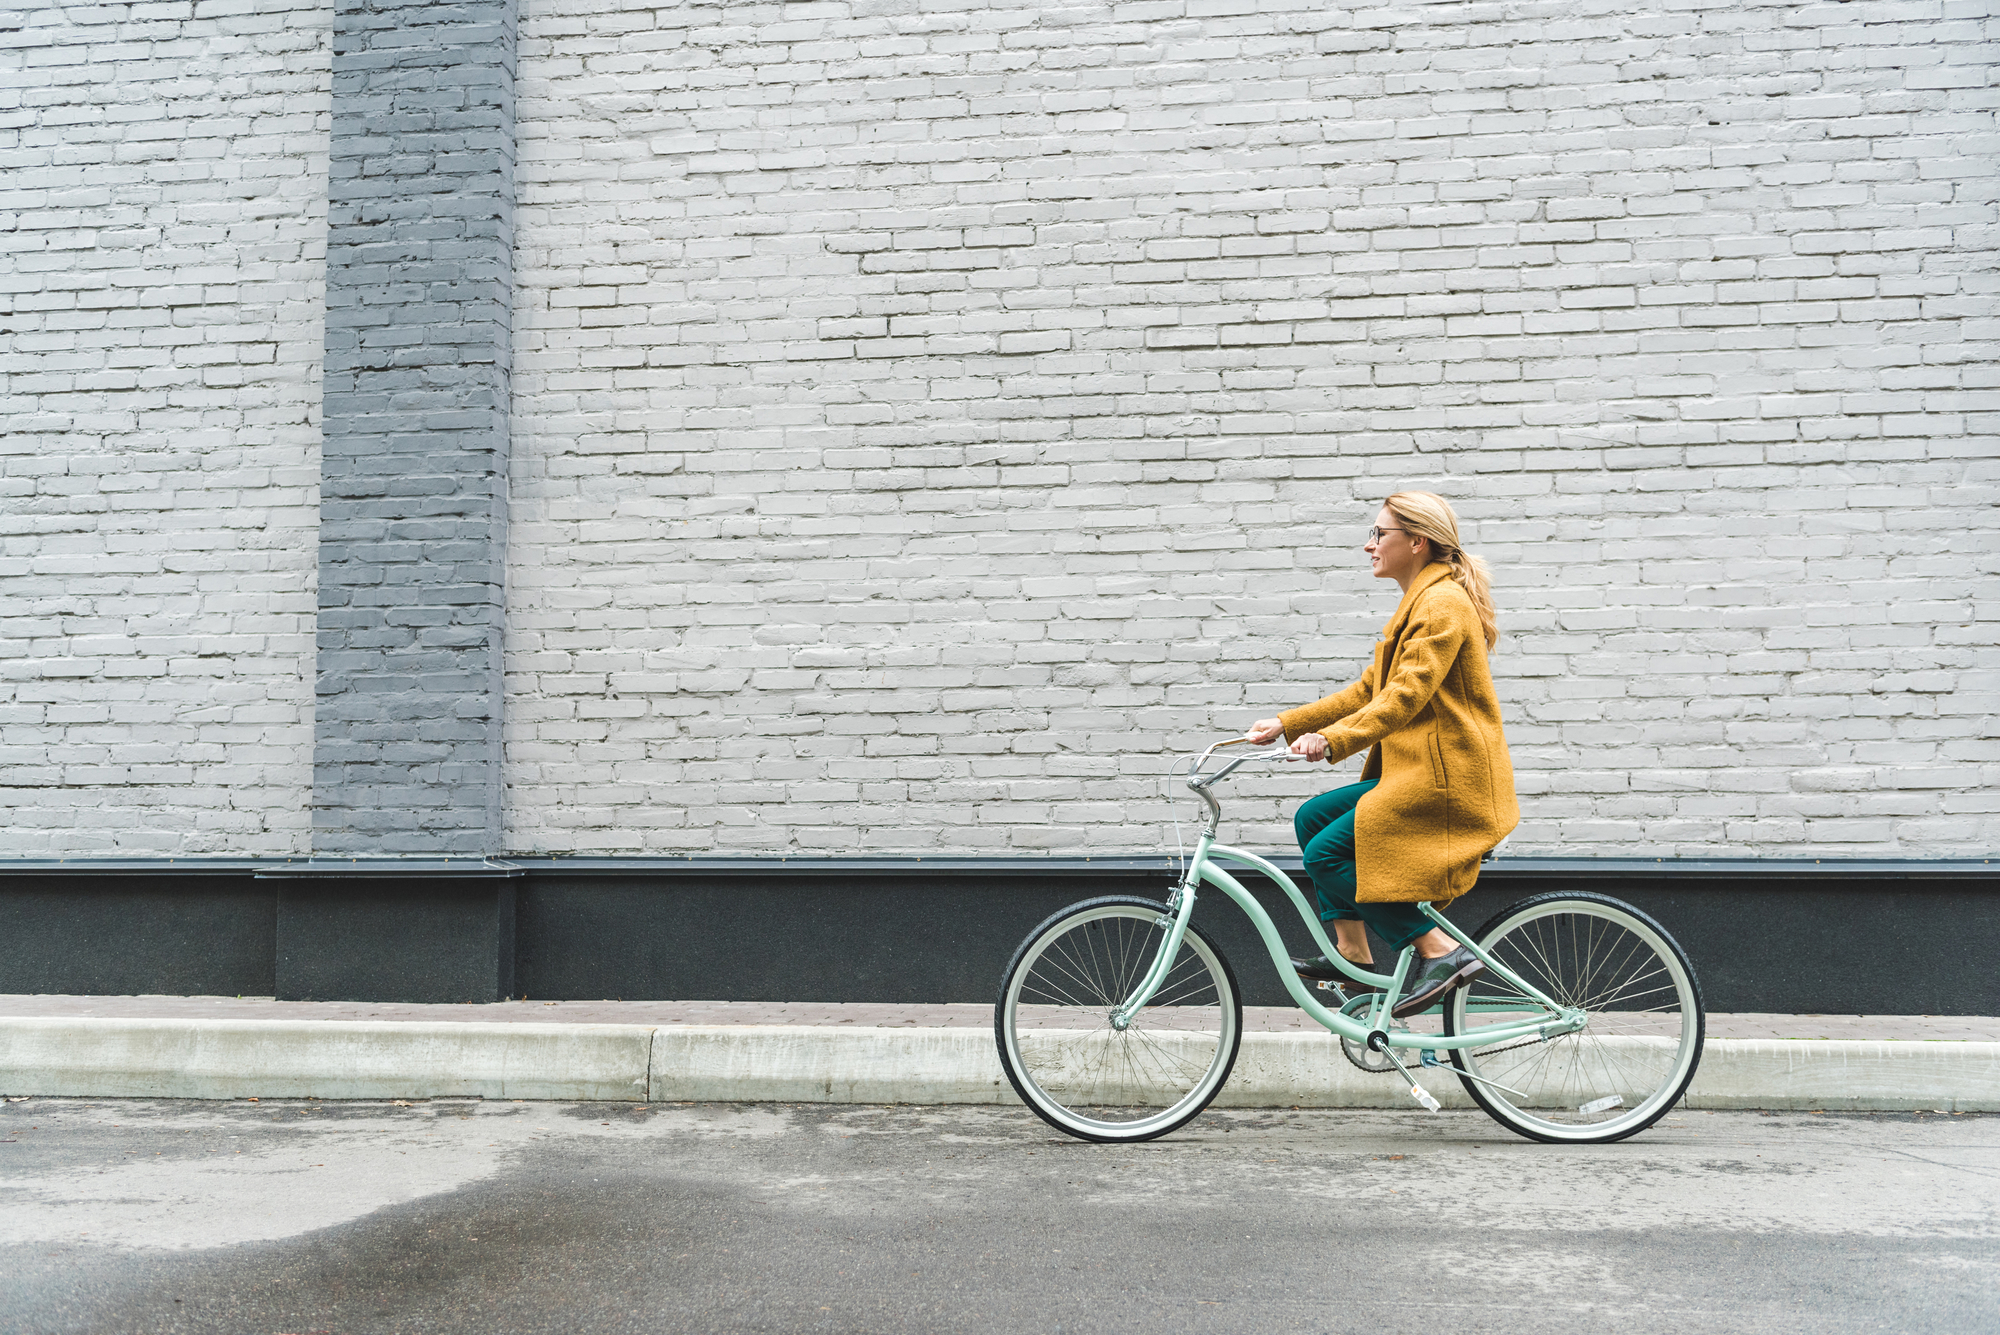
x=449 y=1216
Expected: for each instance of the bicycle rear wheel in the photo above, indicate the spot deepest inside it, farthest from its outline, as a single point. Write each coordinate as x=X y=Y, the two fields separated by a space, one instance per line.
x=1636 y=1053
x=1052 y=1022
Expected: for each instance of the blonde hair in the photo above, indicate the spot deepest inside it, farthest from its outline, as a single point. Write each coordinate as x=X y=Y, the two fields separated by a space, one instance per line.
x=1427 y=515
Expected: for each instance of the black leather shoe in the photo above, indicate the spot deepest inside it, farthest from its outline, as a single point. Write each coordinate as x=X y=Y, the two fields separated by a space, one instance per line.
x=1433 y=979
x=1320 y=969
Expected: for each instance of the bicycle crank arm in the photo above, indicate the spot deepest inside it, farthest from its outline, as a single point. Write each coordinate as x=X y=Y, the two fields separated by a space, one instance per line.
x=1417 y=1091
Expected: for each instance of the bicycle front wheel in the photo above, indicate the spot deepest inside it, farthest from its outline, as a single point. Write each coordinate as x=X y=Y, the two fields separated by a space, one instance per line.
x=1643 y=1033
x=1053 y=1027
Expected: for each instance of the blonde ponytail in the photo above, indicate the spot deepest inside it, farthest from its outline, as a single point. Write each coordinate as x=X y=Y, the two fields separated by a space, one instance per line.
x=1427 y=515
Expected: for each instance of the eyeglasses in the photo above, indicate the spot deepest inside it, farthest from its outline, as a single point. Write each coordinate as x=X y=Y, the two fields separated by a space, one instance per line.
x=1375 y=534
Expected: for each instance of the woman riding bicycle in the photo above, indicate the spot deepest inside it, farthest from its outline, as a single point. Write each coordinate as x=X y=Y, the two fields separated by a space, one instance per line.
x=1437 y=791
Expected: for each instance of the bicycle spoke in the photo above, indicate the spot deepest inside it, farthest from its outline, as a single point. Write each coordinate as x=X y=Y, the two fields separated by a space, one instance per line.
x=1083 y=976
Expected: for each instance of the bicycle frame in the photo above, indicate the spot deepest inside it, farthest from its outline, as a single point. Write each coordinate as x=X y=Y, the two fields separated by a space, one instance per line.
x=1205 y=867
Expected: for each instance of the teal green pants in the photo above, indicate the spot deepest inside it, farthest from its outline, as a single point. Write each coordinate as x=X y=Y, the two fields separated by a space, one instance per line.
x=1325 y=826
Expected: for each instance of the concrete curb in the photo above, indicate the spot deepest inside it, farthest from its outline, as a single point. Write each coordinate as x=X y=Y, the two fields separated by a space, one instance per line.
x=344 y=1059
x=339 y=1059
x=810 y=1064
x=1847 y=1075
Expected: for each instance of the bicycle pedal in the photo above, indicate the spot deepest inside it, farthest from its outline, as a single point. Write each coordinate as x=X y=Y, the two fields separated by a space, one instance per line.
x=1425 y=1097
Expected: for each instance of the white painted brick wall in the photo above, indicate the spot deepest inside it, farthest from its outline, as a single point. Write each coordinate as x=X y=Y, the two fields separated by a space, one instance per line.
x=930 y=416
x=162 y=239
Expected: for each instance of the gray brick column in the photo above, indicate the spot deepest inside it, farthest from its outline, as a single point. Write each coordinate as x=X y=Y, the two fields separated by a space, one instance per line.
x=412 y=545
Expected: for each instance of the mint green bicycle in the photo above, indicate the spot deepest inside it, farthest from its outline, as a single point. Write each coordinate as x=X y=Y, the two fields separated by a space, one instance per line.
x=1119 y=1020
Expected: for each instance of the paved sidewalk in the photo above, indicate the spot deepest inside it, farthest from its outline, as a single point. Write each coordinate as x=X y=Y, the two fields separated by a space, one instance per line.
x=863 y=1015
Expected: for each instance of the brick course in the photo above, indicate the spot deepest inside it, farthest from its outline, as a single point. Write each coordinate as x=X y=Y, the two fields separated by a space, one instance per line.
x=928 y=418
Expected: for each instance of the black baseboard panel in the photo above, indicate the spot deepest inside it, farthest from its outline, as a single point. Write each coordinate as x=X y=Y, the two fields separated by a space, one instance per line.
x=390 y=940
x=1846 y=937
x=202 y=933
x=1870 y=939
x=828 y=936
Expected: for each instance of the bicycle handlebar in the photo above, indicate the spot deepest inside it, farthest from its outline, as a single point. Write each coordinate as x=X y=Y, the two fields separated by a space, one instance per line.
x=1199 y=781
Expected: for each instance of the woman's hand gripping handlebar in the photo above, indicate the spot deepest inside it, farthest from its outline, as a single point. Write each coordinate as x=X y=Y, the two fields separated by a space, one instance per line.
x=1309 y=746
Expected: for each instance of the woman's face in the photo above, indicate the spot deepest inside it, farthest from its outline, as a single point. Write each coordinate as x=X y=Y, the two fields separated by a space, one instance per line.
x=1396 y=555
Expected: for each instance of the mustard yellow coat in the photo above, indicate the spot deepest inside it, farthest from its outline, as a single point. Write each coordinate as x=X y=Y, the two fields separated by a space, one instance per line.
x=1427 y=707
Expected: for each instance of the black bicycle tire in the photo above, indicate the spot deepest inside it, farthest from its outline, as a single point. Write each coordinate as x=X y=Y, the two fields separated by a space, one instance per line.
x=1014 y=963
x=1538 y=900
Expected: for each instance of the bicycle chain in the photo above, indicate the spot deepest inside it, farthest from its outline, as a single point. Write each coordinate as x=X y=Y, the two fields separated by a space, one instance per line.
x=1524 y=1043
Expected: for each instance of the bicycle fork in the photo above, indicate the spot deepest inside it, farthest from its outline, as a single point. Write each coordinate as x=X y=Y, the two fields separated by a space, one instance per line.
x=1163 y=963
